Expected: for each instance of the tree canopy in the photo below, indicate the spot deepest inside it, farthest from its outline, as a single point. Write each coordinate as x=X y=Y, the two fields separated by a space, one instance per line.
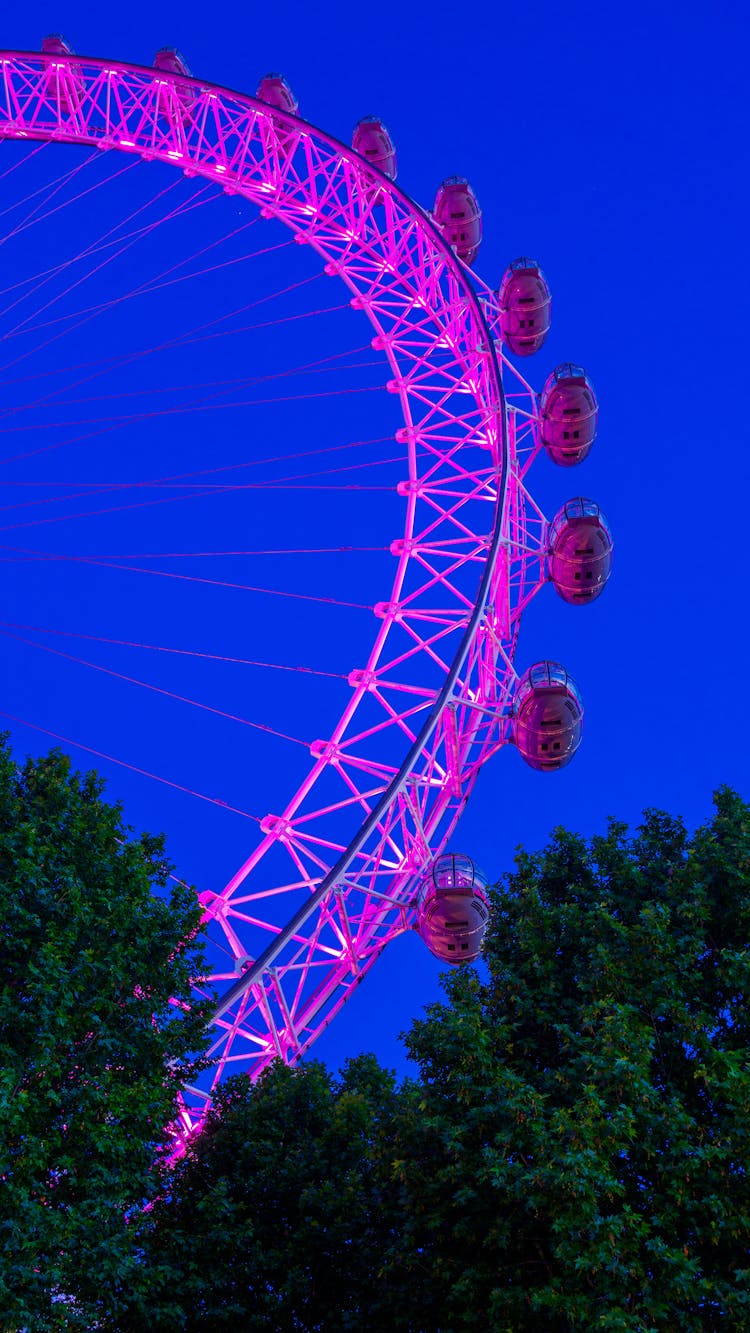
x=272 y=1220
x=580 y=1161
x=572 y=1155
x=94 y=949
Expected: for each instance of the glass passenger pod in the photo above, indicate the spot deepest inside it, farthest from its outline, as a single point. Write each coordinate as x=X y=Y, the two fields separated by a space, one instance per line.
x=524 y=301
x=373 y=142
x=569 y=414
x=56 y=45
x=275 y=91
x=458 y=215
x=67 y=83
x=172 y=62
x=453 y=908
x=547 y=719
x=180 y=102
x=579 y=551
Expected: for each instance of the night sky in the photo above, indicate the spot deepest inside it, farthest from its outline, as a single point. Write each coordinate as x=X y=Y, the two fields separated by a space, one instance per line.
x=610 y=145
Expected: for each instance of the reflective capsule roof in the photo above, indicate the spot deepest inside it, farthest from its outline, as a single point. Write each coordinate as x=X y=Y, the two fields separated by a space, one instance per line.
x=524 y=265
x=580 y=507
x=567 y=371
x=456 y=868
x=56 y=45
x=546 y=675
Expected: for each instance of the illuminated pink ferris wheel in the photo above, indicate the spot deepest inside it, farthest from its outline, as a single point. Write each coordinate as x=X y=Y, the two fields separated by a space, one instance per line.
x=357 y=853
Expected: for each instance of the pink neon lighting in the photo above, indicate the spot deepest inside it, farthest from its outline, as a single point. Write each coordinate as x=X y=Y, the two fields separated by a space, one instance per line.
x=472 y=555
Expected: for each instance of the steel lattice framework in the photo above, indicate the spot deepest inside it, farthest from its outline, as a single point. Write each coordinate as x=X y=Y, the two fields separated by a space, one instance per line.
x=385 y=789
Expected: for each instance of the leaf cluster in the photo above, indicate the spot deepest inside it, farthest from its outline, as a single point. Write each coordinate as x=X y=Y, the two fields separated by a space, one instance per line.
x=581 y=1158
x=93 y=953
x=271 y=1220
x=572 y=1157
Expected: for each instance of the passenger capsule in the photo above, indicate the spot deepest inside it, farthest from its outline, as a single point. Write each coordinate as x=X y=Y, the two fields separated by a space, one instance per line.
x=569 y=415
x=274 y=90
x=178 y=101
x=373 y=142
x=457 y=214
x=579 y=551
x=172 y=61
x=524 y=302
x=453 y=909
x=547 y=719
x=68 y=81
x=56 y=45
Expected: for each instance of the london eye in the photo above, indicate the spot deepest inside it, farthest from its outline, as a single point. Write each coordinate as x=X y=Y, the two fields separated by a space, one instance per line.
x=431 y=683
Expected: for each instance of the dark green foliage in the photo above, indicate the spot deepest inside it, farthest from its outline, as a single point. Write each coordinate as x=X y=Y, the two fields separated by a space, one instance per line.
x=581 y=1157
x=89 y=956
x=273 y=1218
x=573 y=1157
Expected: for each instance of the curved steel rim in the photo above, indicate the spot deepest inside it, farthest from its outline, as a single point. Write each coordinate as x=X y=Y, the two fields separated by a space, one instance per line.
x=87 y=72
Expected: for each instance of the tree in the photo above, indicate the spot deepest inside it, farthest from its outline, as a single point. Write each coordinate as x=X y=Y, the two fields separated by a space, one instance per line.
x=573 y=1156
x=276 y=1216
x=91 y=959
x=581 y=1157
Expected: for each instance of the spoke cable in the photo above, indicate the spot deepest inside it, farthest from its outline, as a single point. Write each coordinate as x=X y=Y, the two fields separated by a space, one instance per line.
x=191 y=578
x=221 y=387
x=179 y=652
x=114 y=363
x=123 y=763
x=95 y=247
x=214 y=328
x=157 y=689
x=169 y=344
x=198 y=490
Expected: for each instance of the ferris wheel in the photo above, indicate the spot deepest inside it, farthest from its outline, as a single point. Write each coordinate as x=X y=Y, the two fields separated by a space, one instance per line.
x=356 y=853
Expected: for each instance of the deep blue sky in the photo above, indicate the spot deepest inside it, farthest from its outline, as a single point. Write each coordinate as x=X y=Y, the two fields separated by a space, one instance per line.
x=611 y=145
